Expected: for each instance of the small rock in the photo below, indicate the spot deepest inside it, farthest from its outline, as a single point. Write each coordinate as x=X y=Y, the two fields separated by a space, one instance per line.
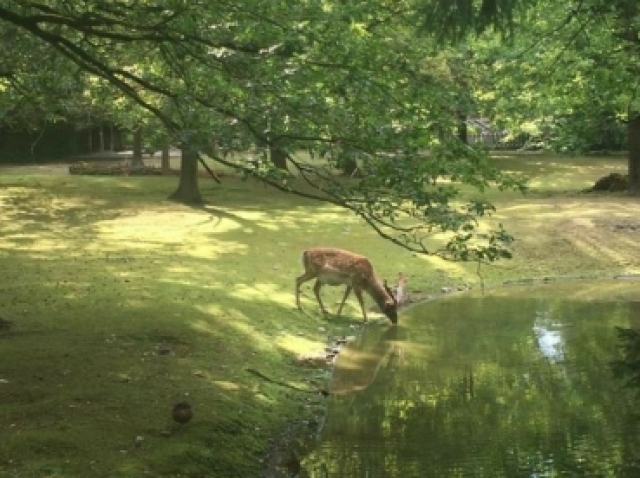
x=182 y=412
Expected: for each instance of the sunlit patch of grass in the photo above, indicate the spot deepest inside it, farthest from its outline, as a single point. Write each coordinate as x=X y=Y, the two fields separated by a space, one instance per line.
x=295 y=344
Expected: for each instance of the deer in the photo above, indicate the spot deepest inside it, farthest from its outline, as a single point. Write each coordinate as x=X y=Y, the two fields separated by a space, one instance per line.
x=336 y=267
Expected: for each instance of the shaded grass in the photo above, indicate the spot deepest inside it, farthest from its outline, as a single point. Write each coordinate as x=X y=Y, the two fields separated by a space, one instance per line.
x=126 y=303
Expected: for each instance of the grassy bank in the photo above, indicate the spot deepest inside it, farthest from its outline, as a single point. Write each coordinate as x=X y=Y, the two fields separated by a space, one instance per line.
x=125 y=303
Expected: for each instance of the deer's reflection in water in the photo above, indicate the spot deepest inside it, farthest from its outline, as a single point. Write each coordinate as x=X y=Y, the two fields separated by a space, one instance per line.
x=360 y=363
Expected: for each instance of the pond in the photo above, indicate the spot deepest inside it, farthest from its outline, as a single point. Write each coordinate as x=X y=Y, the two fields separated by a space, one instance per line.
x=515 y=383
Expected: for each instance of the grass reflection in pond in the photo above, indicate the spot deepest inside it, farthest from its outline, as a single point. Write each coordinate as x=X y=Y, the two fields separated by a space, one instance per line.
x=513 y=384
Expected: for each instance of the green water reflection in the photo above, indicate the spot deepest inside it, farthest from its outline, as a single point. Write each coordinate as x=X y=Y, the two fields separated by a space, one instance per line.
x=511 y=385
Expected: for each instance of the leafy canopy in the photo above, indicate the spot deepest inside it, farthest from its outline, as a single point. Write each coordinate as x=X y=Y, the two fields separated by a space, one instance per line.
x=343 y=82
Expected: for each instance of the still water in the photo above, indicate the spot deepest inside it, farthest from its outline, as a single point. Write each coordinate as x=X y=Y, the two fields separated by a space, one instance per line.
x=512 y=384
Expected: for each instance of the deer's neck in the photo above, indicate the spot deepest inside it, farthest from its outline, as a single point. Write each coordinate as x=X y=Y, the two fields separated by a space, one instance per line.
x=376 y=290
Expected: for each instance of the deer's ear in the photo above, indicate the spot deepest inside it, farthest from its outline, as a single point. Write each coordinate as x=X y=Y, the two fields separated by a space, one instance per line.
x=390 y=292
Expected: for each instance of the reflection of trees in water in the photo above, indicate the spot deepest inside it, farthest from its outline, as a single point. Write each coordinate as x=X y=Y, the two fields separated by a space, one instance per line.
x=628 y=367
x=479 y=397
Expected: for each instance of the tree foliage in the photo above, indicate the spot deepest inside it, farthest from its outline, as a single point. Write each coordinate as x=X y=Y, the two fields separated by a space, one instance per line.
x=451 y=21
x=569 y=70
x=324 y=83
x=628 y=368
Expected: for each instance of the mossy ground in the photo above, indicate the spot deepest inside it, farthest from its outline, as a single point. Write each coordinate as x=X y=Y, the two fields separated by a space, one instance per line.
x=125 y=303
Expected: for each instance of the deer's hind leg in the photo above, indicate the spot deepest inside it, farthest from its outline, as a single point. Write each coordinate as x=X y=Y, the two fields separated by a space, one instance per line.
x=316 y=290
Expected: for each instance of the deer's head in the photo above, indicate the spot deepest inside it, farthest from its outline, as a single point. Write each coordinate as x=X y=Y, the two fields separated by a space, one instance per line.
x=390 y=307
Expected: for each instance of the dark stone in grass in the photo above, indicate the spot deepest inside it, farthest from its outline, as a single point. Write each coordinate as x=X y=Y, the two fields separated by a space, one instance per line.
x=182 y=412
x=614 y=182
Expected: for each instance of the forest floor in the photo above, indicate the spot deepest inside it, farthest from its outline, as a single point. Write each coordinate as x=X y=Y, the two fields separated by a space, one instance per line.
x=115 y=304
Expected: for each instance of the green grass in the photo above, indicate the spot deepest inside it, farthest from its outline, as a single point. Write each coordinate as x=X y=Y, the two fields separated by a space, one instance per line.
x=102 y=274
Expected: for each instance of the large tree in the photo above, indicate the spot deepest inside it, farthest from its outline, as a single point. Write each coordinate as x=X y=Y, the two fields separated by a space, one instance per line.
x=335 y=80
x=552 y=64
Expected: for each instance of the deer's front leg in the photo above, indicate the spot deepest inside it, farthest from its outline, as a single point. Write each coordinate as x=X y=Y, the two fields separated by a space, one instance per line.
x=344 y=299
x=316 y=289
x=299 y=281
x=358 y=293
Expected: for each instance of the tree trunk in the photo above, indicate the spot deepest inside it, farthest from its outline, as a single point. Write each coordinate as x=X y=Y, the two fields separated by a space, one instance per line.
x=463 y=129
x=633 y=130
x=90 y=139
x=112 y=145
x=165 y=160
x=278 y=157
x=101 y=137
x=137 y=148
x=188 y=191
x=350 y=167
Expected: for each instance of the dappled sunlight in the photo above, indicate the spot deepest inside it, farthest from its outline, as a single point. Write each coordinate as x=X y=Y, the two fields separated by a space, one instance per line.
x=295 y=344
x=291 y=219
x=241 y=321
x=592 y=245
x=450 y=267
x=226 y=386
x=254 y=336
x=549 y=171
x=262 y=291
x=36 y=244
x=217 y=316
x=213 y=310
x=559 y=209
x=163 y=232
x=165 y=226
